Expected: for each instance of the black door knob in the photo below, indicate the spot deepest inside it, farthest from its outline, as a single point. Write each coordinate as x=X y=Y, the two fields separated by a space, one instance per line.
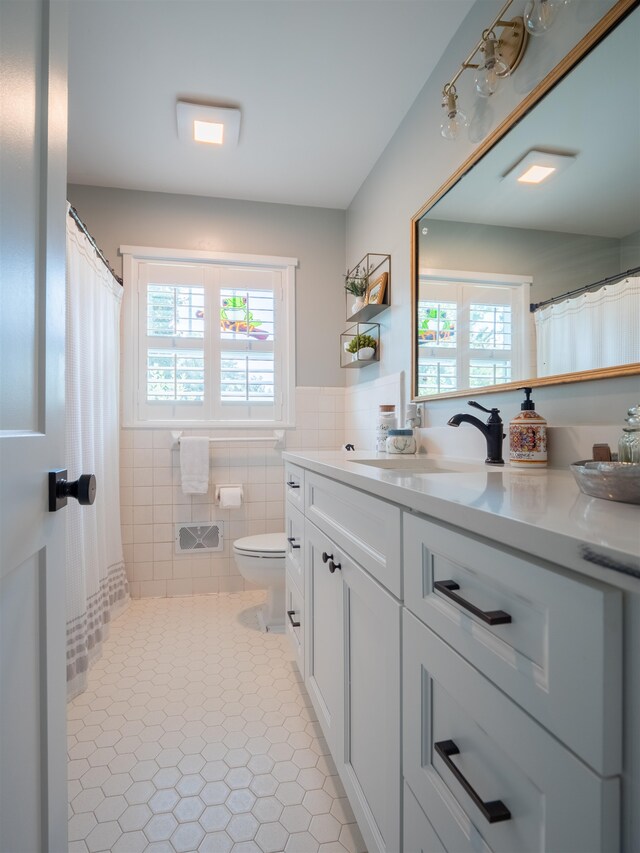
x=83 y=489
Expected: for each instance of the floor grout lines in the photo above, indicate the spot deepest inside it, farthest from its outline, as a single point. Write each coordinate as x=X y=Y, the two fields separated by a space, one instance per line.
x=196 y=734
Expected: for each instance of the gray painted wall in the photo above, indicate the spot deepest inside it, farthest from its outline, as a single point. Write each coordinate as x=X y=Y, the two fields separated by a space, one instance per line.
x=557 y=262
x=316 y=236
x=418 y=161
x=630 y=251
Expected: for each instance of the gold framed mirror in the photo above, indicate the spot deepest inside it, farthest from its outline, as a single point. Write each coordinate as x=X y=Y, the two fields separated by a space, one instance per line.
x=500 y=268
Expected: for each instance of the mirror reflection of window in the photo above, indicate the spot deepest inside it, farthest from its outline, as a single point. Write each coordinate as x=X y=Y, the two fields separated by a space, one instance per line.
x=466 y=324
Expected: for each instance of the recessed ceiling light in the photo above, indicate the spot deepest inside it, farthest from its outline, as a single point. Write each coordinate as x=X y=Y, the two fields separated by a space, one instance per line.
x=208 y=131
x=536 y=166
x=219 y=126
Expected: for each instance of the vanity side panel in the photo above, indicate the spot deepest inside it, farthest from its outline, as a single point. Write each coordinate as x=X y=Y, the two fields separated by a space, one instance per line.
x=631 y=727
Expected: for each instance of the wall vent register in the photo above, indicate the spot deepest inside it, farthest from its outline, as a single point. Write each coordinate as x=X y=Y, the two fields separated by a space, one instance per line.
x=200 y=538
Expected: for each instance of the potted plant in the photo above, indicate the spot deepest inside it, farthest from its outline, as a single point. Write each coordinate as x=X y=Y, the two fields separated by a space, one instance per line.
x=356 y=283
x=362 y=347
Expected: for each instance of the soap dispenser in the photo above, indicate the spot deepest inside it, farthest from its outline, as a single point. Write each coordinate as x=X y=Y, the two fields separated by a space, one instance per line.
x=528 y=436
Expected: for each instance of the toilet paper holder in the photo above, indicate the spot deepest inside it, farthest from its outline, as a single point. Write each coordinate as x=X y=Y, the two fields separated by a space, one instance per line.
x=228 y=486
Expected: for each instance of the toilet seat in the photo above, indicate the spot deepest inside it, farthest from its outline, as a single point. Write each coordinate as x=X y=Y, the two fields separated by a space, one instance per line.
x=270 y=545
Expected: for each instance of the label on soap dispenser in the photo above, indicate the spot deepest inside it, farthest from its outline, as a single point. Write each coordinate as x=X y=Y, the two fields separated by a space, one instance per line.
x=528 y=440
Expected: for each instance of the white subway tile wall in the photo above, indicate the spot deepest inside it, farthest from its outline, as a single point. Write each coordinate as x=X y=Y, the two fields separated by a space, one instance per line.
x=361 y=408
x=152 y=501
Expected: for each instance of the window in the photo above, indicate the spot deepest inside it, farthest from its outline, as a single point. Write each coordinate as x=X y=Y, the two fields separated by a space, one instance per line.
x=471 y=330
x=209 y=339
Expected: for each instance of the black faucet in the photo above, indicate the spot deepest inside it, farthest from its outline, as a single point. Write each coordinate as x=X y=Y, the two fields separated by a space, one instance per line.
x=492 y=431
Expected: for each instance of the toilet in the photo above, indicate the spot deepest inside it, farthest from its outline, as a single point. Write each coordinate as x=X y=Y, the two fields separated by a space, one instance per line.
x=260 y=560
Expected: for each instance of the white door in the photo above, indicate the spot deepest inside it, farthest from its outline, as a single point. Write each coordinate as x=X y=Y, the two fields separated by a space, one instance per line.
x=33 y=122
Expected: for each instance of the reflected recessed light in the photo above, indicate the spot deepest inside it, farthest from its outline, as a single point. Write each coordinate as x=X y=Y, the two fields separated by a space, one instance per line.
x=219 y=126
x=536 y=174
x=536 y=166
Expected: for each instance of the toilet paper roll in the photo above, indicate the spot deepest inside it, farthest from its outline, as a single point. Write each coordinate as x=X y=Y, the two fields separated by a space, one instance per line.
x=230 y=496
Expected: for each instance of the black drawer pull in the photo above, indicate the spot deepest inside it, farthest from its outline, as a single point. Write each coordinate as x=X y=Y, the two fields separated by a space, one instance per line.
x=291 y=540
x=333 y=566
x=293 y=485
x=495 y=810
x=326 y=557
x=290 y=615
x=491 y=617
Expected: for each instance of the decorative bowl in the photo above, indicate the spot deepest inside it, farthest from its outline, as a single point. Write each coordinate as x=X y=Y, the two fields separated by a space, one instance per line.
x=613 y=481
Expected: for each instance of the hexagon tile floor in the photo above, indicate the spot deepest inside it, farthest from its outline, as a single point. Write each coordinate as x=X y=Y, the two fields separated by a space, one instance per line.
x=195 y=733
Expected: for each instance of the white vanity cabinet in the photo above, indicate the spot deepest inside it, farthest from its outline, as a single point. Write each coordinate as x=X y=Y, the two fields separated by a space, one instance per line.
x=351 y=639
x=471 y=695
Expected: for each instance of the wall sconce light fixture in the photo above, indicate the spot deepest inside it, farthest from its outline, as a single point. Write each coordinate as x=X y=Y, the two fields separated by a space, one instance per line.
x=502 y=48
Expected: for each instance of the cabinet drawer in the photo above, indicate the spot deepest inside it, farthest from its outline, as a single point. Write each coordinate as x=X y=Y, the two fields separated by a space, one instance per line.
x=294 y=485
x=502 y=760
x=418 y=836
x=294 y=531
x=560 y=655
x=294 y=623
x=366 y=527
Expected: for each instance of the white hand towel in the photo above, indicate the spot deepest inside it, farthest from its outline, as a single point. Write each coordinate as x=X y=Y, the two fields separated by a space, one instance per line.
x=194 y=465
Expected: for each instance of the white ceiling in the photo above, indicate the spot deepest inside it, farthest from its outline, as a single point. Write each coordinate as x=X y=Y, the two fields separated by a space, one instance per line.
x=322 y=85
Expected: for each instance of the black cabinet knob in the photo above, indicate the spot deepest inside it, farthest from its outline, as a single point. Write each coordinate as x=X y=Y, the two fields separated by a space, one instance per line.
x=333 y=566
x=326 y=557
x=83 y=489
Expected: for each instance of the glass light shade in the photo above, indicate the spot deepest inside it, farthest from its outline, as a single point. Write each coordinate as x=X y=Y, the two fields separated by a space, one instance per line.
x=539 y=15
x=454 y=120
x=489 y=77
x=491 y=71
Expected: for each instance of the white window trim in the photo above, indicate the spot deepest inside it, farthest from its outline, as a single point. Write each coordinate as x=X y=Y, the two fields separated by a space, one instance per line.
x=521 y=323
x=132 y=256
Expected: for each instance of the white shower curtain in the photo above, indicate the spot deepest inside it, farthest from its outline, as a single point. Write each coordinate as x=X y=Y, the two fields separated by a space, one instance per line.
x=594 y=329
x=96 y=581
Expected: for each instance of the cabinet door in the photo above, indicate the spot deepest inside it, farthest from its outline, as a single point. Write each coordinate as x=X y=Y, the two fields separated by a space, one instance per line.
x=323 y=636
x=369 y=763
x=487 y=776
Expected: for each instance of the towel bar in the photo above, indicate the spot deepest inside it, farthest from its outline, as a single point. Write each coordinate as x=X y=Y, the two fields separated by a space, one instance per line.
x=277 y=438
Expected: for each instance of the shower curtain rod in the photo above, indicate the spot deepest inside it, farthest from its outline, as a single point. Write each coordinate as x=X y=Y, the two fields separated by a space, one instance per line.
x=73 y=213
x=534 y=306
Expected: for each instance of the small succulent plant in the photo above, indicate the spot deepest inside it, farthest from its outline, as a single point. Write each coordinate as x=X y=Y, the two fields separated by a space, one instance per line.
x=359 y=342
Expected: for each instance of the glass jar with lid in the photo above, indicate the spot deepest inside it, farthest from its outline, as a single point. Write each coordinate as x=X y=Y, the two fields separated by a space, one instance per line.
x=629 y=444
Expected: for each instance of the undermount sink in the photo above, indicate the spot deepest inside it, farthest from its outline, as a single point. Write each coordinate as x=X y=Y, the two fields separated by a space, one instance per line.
x=421 y=465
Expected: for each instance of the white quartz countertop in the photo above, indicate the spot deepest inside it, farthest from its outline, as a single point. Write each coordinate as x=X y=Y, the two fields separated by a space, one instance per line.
x=542 y=513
